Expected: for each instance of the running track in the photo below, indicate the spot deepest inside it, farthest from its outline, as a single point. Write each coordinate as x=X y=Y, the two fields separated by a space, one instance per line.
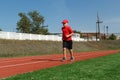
x=12 y=66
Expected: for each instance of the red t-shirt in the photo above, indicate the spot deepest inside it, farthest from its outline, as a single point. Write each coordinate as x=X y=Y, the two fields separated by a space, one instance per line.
x=66 y=30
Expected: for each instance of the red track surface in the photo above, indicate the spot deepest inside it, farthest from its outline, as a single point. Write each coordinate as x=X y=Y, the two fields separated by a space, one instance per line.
x=13 y=66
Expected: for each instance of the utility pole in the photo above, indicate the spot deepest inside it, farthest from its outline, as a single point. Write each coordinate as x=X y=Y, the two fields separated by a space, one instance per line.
x=98 y=25
x=104 y=33
x=107 y=31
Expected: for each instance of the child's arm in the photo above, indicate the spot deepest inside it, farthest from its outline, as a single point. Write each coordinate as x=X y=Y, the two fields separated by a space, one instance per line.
x=69 y=35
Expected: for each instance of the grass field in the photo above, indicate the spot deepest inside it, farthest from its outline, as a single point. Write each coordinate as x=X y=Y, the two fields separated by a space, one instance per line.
x=103 y=68
x=17 y=48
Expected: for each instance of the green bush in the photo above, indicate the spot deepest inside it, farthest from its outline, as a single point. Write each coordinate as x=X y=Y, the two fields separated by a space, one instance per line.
x=112 y=37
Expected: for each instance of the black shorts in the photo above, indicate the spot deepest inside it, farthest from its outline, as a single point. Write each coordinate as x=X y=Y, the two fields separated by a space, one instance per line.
x=67 y=44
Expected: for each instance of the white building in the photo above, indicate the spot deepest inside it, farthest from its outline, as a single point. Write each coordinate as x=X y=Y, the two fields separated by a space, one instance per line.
x=118 y=36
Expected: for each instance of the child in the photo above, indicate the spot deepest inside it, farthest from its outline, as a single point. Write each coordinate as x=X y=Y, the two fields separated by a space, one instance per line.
x=67 y=33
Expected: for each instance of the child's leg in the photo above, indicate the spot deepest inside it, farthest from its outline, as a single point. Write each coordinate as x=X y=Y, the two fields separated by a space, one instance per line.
x=70 y=43
x=64 y=55
x=64 y=49
x=64 y=52
x=71 y=52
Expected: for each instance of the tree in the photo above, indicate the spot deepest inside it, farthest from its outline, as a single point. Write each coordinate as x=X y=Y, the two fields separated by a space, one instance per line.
x=0 y=29
x=112 y=37
x=33 y=22
x=37 y=22
x=24 y=25
x=75 y=31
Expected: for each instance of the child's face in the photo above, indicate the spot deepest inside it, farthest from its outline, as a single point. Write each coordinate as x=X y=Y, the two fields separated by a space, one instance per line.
x=66 y=24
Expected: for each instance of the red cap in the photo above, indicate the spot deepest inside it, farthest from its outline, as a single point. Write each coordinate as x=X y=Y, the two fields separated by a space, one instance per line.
x=65 y=21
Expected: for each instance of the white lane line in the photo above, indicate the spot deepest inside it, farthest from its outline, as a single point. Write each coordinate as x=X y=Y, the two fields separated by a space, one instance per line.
x=15 y=60
x=30 y=63
x=37 y=58
x=25 y=59
x=30 y=59
x=34 y=62
x=21 y=64
x=34 y=58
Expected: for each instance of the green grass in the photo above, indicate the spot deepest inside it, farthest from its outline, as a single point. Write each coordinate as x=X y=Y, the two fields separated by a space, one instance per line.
x=103 y=68
x=17 y=48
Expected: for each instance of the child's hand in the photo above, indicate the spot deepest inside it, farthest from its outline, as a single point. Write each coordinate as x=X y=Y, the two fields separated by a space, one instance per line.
x=67 y=36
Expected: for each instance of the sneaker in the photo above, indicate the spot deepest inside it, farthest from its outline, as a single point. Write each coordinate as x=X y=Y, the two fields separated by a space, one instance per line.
x=63 y=59
x=72 y=59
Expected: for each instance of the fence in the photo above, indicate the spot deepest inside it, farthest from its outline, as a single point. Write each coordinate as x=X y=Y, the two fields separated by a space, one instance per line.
x=25 y=36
